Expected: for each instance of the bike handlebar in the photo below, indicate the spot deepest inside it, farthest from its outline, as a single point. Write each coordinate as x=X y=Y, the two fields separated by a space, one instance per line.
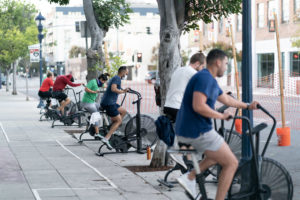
x=251 y=130
x=131 y=91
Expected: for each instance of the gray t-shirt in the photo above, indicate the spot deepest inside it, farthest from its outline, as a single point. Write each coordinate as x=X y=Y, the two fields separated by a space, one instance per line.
x=110 y=97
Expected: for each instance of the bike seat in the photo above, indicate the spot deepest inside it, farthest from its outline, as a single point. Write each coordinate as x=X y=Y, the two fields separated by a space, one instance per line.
x=258 y=128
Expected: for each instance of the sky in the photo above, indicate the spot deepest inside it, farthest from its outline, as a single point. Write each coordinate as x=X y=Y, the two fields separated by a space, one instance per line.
x=43 y=5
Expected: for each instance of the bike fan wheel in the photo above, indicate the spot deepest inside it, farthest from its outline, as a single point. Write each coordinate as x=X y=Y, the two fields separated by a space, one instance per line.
x=235 y=144
x=125 y=120
x=275 y=180
x=148 y=131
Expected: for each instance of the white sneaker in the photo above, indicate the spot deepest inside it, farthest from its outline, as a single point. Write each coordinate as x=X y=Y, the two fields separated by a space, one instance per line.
x=188 y=185
x=106 y=142
x=178 y=159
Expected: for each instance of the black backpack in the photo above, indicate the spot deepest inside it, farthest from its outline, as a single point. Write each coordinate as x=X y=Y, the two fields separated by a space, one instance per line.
x=165 y=130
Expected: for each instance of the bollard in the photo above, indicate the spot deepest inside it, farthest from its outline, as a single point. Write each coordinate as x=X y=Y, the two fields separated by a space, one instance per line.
x=284 y=136
x=238 y=125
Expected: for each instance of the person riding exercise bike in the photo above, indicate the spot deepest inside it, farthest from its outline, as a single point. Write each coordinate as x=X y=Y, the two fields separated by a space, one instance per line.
x=179 y=80
x=90 y=95
x=194 y=125
x=109 y=103
x=59 y=85
x=45 y=90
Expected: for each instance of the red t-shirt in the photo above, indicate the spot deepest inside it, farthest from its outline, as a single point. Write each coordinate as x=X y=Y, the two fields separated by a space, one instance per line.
x=62 y=81
x=47 y=83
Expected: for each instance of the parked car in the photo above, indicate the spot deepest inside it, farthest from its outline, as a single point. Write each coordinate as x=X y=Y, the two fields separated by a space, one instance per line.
x=151 y=76
x=3 y=79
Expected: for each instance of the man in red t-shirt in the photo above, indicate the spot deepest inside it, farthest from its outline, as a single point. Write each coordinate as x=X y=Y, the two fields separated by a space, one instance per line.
x=45 y=91
x=59 y=85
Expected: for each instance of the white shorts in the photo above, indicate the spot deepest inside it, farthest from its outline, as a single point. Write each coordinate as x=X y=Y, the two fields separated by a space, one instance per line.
x=210 y=140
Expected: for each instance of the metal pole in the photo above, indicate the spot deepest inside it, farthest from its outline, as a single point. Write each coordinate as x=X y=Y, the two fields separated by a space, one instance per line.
x=246 y=75
x=41 y=64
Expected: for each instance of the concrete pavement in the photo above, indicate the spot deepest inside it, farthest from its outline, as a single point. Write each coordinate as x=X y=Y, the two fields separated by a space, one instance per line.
x=38 y=162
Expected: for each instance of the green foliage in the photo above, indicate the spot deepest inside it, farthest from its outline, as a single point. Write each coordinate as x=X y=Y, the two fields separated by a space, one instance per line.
x=111 y=13
x=184 y=57
x=60 y=2
x=75 y=51
x=108 y=13
x=227 y=48
x=207 y=10
x=17 y=30
x=16 y=14
x=112 y=68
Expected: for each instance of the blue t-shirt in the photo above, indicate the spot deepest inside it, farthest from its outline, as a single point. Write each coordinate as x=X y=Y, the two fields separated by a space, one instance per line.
x=190 y=123
x=110 y=97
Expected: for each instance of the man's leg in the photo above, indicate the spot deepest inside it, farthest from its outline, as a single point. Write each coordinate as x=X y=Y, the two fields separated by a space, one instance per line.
x=116 y=122
x=229 y=163
x=122 y=112
x=63 y=104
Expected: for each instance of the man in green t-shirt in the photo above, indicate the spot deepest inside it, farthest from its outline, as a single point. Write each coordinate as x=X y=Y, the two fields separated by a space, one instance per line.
x=90 y=95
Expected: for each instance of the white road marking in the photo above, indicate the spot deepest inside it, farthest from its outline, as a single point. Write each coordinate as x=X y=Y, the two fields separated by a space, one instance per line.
x=37 y=195
x=7 y=139
x=87 y=164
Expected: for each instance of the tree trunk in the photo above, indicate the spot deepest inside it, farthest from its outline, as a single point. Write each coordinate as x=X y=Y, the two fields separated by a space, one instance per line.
x=171 y=23
x=14 y=66
x=95 y=56
x=26 y=75
x=7 y=80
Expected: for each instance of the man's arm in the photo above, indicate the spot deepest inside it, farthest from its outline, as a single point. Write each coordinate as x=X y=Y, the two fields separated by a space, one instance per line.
x=115 y=89
x=90 y=91
x=200 y=106
x=72 y=84
x=232 y=102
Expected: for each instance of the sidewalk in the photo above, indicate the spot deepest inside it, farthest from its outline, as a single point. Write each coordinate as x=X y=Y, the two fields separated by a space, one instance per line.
x=44 y=163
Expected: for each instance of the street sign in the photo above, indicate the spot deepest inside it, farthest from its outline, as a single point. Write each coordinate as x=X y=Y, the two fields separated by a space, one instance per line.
x=34 y=53
x=84 y=29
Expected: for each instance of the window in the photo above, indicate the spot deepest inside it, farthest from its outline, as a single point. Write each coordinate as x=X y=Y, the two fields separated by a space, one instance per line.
x=284 y=11
x=295 y=64
x=239 y=22
x=265 y=70
x=260 y=15
x=271 y=9
x=77 y=28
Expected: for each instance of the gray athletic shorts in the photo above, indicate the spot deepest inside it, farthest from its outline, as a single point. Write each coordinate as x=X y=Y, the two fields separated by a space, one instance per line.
x=91 y=107
x=210 y=140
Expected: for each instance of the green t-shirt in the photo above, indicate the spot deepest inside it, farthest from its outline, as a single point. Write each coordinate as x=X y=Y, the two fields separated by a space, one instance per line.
x=90 y=97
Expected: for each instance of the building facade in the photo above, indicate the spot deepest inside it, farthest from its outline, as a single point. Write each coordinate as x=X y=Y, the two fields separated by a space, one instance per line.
x=63 y=32
x=265 y=57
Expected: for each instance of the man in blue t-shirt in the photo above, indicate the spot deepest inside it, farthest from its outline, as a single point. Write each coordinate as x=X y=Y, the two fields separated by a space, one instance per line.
x=194 y=124
x=109 y=103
